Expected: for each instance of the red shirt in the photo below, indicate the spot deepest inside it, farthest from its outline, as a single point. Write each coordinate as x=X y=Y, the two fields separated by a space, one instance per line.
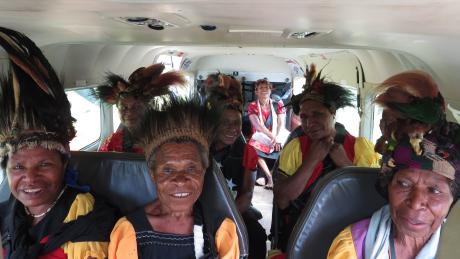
x=252 y=109
x=114 y=143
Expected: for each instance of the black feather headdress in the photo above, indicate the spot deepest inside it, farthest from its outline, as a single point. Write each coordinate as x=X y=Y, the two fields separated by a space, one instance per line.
x=178 y=119
x=34 y=109
x=144 y=83
x=316 y=88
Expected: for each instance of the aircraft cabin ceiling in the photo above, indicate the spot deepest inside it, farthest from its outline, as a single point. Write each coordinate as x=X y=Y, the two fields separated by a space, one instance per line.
x=426 y=29
x=254 y=22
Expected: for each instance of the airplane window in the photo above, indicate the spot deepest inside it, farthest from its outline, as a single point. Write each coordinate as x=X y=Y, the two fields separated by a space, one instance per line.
x=376 y=133
x=349 y=117
x=86 y=110
x=298 y=83
x=115 y=118
x=171 y=62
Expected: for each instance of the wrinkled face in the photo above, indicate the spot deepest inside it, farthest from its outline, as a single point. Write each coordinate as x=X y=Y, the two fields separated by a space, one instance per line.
x=263 y=91
x=131 y=111
x=35 y=177
x=419 y=201
x=178 y=175
x=316 y=120
x=229 y=128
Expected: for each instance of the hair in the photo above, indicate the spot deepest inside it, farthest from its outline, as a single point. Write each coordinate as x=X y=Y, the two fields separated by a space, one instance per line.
x=263 y=81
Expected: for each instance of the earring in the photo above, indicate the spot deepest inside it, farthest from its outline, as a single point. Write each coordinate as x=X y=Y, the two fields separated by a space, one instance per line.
x=444 y=220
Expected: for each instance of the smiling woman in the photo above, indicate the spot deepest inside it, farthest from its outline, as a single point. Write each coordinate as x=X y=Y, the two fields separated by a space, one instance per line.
x=44 y=217
x=420 y=176
x=176 y=140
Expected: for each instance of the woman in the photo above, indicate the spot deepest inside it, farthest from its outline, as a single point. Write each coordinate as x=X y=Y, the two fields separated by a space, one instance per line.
x=420 y=177
x=266 y=119
x=44 y=217
x=176 y=142
x=325 y=146
x=131 y=98
x=421 y=189
x=230 y=151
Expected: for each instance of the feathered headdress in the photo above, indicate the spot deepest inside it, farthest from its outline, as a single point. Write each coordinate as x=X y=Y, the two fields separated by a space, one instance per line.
x=227 y=93
x=144 y=83
x=413 y=95
x=34 y=109
x=317 y=89
x=414 y=100
x=178 y=119
x=421 y=136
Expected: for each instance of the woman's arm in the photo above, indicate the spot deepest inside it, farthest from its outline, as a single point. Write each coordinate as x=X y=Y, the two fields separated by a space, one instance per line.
x=288 y=188
x=244 y=196
x=256 y=124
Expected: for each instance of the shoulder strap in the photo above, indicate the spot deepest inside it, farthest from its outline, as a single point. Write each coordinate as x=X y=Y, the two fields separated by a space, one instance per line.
x=201 y=218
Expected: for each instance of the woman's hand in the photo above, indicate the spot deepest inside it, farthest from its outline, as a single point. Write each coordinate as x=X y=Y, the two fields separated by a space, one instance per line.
x=339 y=156
x=319 y=150
x=277 y=146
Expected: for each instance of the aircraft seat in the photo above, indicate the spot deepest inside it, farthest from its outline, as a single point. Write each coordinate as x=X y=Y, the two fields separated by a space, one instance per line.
x=123 y=180
x=340 y=198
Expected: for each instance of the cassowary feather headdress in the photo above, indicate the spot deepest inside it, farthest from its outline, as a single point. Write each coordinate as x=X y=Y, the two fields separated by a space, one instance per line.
x=178 y=119
x=228 y=93
x=144 y=83
x=318 y=89
x=34 y=109
x=421 y=136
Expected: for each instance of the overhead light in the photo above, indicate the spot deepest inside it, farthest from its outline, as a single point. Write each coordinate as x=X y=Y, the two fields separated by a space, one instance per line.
x=152 y=23
x=303 y=34
x=137 y=19
x=207 y=27
x=255 y=31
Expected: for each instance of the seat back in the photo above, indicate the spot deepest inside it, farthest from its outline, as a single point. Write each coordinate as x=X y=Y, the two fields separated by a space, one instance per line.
x=340 y=198
x=448 y=246
x=123 y=180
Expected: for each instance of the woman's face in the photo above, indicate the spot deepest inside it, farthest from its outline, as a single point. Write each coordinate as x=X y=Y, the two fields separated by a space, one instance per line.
x=178 y=175
x=36 y=177
x=229 y=128
x=263 y=91
x=316 y=120
x=131 y=111
x=419 y=201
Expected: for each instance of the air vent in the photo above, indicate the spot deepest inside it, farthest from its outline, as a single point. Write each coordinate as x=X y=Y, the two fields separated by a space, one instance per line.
x=152 y=23
x=303 y=34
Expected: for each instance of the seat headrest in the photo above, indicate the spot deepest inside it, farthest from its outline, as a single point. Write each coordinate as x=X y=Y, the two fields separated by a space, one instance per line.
x=340 y=198
x=122 y=179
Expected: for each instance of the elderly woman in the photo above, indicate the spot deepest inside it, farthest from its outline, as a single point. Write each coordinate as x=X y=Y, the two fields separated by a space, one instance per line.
x=44 y=217
x=131 y=98
x=324 y=146
x=230 y=151
x=266 y=120
x=176 y=140
x=419 y=177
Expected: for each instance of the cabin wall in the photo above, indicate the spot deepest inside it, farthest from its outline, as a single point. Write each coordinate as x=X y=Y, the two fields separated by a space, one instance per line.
x=87 y=64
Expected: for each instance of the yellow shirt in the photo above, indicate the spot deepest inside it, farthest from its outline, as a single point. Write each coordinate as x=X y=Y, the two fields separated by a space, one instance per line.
x=343 y=247
x=82 y=205
x=123 y=240
x=291 y=156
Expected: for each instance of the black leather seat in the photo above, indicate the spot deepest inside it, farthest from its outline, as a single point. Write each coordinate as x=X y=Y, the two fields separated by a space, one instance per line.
x=123 y=180
x=339 y=199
